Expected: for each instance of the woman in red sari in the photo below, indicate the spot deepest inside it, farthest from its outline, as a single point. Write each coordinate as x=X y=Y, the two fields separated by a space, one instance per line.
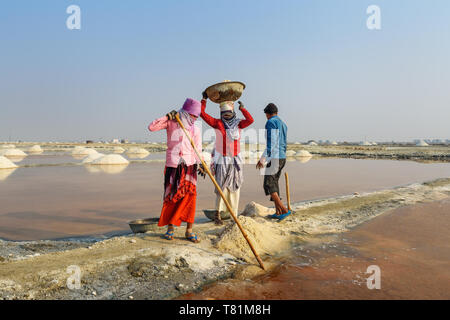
x=180 y=173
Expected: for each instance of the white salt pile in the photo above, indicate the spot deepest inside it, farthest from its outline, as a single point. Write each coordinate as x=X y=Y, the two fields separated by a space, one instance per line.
x=35 y=149
x=422 y=143
x=365 y=143
x=303 y=153
x=290 y=153
x=81 y=151
x=92 y=157
x=5 y=163
x=118 y=150
x=111 y=159
x=334 y=143
x=12 y=153
x=5 y=173
x=297 y=142
x=312 y=143
x=7 y=146
x=137 y=151
x=265 y=238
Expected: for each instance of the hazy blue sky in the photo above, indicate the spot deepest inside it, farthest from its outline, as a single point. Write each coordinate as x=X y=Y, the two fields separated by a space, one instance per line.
x=133 y=61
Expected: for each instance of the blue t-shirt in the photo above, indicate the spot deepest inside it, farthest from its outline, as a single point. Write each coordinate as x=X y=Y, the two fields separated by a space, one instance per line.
x=276 y=136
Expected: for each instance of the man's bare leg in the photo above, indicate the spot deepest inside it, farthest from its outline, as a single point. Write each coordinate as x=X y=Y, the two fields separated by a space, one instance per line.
x=281 y=209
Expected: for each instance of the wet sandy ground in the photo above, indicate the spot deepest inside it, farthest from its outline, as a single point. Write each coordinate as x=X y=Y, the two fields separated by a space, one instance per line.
x=51 y=202
x=411 y=246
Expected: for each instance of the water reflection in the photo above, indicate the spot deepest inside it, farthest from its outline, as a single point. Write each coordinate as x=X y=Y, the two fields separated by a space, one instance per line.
x=106 y=168
x=5 y=173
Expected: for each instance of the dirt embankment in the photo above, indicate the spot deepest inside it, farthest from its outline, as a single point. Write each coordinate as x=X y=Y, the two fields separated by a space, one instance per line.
x=440 y=153
x=148 y=267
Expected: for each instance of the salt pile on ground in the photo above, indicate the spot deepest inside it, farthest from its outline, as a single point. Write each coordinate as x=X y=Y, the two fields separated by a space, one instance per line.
x=83 y=151
x=92 y=157
x=7 y=146
x=35 y=149
x=312 y=143
x=12 y=153
x=5 y=163
x=5 y=173
x=137 y=151
x=303 y=153
x=422 y=143
x=111 y=159
x=118 y=150
x=265 y=238
x=290 y=153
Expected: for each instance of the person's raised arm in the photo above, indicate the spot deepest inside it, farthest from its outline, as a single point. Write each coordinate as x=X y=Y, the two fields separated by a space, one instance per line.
x=161 y=123
x=206 y=117
x=248 y=117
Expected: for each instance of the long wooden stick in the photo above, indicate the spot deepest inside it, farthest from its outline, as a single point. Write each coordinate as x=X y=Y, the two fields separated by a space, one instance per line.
x=221 y=193
x=287 y=191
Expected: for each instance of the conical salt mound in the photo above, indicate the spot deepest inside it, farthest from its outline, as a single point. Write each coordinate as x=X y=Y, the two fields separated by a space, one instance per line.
x=35 y=149
x=92 y=157
x=5 y=173
x=111 y=159
x=137 y=151
x=365 y=143
x=334 y=143
x=7 y=146
x=5 y=163
x=312 y=143
x=290 y=153
x=118 y=150
x=12 y=153
x=303 y=153
x=83 y=151
x=422 y=143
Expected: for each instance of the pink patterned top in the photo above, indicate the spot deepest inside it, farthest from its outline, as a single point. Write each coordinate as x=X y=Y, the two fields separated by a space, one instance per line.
x=178 y=145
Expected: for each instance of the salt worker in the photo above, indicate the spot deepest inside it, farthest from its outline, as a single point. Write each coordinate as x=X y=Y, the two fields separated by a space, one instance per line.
x=274 y=158
x=180 y=172
x=226 y=160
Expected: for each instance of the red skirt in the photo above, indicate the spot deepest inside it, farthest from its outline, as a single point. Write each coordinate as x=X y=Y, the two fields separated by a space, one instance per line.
x=180 y=195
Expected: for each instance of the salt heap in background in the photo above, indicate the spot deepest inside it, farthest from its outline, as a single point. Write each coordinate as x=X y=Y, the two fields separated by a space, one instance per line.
x=303 y=154
x=35 y=149
x=12 y=153
x=118 y=150
x=82 y=151
x=290 y=153
x=7 y=146
x=92 y=157
x=111 y=159
x=5 y=163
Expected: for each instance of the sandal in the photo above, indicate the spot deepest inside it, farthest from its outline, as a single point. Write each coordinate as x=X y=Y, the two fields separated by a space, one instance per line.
x=192 y=237
x=168 y=235
x=284 y=215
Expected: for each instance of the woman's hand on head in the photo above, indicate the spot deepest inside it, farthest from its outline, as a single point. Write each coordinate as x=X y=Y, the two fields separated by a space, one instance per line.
x=241 y=105
x=204 y=95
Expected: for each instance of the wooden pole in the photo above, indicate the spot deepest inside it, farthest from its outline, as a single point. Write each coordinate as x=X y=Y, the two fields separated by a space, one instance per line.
x=221 y=193
x=287 y=191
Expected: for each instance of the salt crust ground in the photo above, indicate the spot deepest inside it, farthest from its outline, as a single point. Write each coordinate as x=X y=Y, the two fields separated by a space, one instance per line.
x=149 y=267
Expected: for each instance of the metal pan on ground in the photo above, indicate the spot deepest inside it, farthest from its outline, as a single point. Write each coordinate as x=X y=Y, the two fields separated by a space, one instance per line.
x=142 y=225
x=211 y=213
x=225 y=91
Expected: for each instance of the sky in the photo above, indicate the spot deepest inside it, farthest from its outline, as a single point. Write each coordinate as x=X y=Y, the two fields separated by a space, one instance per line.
x=133 y=61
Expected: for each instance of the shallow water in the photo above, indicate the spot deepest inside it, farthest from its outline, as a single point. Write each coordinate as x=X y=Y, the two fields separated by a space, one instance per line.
x=409 y=245
x=46 y=202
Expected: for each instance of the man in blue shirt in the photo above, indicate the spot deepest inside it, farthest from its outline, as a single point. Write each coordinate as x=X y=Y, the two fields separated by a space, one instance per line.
x=274 y=158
